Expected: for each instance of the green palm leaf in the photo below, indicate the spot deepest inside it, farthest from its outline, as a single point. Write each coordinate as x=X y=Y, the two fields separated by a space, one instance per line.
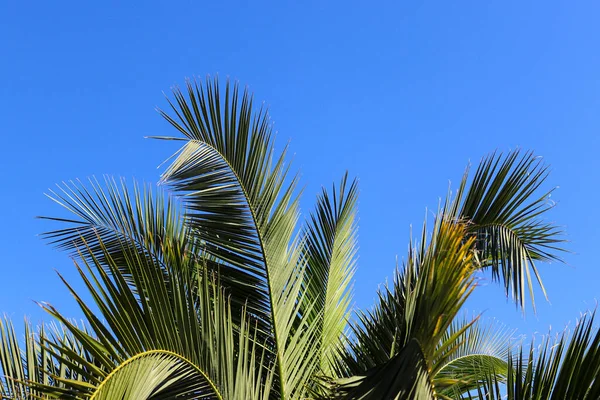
x=110 y=217
x=155 y=375
x=426 y=296
x=223 y=295
x=31 y=370
x=179 y=332
x=469 y=353
x=564 y=368
x=504 y=213
x=403 y=377
x=243 y=210
x=330 y=251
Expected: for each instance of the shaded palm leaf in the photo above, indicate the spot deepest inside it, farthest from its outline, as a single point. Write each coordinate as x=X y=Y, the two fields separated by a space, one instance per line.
x=504 y=211
x=426 y=296
x=243 y=210
x=403 y=377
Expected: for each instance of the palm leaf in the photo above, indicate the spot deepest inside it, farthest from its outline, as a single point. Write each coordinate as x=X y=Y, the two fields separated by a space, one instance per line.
x=426 y=296
x=468 y=354
x=109 y=217
x=155 y=375
x=185 y=345
x=179 y=332
x=27 y=366
x=241 y=207
x=330 y=253
x=403 y=377
x=564 y=368
x=504 y=211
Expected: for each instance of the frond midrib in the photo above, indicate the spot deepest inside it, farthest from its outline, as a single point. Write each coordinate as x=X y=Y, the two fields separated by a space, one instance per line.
x=262 y=249
x=153 y=352
x=454 y=360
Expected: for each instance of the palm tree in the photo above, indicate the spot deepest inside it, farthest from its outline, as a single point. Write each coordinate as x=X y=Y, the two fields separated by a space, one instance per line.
x=214 y=288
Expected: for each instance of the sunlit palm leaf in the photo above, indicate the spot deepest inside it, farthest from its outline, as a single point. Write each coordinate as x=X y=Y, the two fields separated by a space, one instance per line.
x=27 y=366
x=331 y=251
x=18 y=366
x=468 y=354
x=155 y=375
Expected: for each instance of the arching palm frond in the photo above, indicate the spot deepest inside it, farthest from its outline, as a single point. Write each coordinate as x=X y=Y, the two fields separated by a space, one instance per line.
x=155 y=375
x=115 y=221
x=469 y=353
x=504 y=212
x=242 y=208
x=331 y=259
x=114 y=216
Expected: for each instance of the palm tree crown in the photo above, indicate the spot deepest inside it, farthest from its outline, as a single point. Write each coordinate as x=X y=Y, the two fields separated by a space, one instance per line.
x=213 y=287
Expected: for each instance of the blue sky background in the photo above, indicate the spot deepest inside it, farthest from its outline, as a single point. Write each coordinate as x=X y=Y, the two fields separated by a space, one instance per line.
x=403 y=94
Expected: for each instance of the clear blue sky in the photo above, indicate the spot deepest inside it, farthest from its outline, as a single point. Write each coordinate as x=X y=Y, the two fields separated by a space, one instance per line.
x=403 y=94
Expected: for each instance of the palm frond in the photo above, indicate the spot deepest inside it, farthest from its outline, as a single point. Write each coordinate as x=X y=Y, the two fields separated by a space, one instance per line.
x=156 y=375
x=29 y=366
x=427 y=295
x=331 y=259
x=468 y=354
x=562 y=368
x=17 y=365
x=241 y=207
x=504 y=211
x=180 y=331
x=115 y=221
x=403 y=377
x=114 y=216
